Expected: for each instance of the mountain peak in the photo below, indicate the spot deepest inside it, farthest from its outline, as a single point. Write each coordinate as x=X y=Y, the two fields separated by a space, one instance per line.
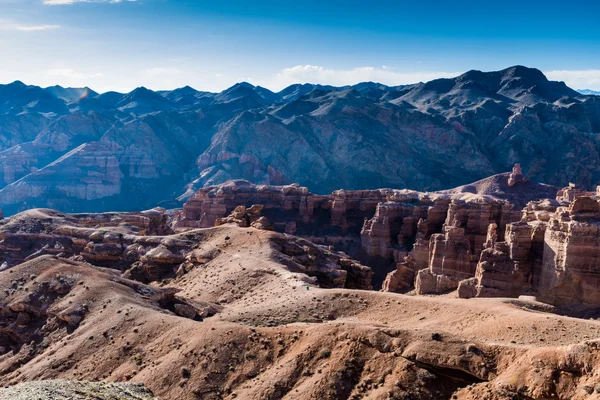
x=242 y=85
x=188 y=89
x=17 y=84
x=69 y=94
x=241 y=90
x=143 y=100
x=141 y=89
x=143 y=93
x=520 y=71
x=515 y=72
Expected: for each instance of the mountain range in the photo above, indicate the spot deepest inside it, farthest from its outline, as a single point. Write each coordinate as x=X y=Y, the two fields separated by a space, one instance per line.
x=77 y=150
x=589 y=92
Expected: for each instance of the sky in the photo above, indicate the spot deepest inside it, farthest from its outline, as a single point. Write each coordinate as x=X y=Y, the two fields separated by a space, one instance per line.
x=212 y=44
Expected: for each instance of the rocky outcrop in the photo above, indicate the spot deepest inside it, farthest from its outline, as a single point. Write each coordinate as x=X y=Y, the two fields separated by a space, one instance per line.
x=570 y=270
x=553 y=253
x=394 y=223
x=98 y=237
x=143 y=248
x=516 y=176
x=504 y=268
x=550 y=251
x=570 y=193
x=332 y=269
x=244 y=218
x=402 y=278
x=63 y=389
x=449 y=262
x=292 y=203
x=453 y=255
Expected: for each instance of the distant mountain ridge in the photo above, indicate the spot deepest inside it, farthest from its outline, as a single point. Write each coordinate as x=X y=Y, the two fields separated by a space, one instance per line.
x=589 y=92
x=74 y=149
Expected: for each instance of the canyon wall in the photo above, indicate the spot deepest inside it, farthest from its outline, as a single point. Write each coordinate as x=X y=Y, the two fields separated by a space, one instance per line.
x=552 y=252
x=437 y=242
x=380 y=227
x=477 y=244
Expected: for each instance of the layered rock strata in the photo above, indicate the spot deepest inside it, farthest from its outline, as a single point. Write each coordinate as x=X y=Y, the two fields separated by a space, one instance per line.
x=453 y=254
x=553 y=253
x=143 y=248
x=480 y=245
x=379 y=227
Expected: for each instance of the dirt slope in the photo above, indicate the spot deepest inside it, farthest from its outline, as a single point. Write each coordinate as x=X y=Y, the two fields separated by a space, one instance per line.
x=275 y=334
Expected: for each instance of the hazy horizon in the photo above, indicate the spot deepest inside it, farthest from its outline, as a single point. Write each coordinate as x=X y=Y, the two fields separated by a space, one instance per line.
x=279 y=89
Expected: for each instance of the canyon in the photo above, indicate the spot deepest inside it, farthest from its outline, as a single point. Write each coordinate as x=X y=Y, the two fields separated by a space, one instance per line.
x=321 y=242
x=487 y=290
x=503 y=236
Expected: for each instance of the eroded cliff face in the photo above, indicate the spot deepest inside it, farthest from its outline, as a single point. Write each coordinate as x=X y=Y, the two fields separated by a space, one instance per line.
x=552 y=252
x=453 y=254
x=570 y=270
x=478 y=245
x=433 y=243
x=388 y=229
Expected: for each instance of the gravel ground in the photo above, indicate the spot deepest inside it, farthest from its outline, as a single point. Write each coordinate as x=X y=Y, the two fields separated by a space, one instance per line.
x=73 y=390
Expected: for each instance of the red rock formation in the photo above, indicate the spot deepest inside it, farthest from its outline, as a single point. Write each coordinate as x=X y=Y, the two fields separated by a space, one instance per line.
x=210 y=204
x=392 y=225
x=292 y=209
x=402 y=278
x=470 y=226
x=449 y=262
x=570 y=271
x=554 y=252
x=134 y=244
x=570 y=193
x=516 y=176
x=504 y=268
x=242 y=216
x=387 y=223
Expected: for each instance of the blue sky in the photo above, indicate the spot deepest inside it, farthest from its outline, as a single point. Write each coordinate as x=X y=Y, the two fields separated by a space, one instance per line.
x=163 y=44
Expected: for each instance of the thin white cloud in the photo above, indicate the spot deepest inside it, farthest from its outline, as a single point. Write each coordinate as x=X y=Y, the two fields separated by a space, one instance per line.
x=70 y=77
x=32 y=28
x=341 y=77
x=68 y=2
x=71 y=73
x=577 y=79
x=11 y=26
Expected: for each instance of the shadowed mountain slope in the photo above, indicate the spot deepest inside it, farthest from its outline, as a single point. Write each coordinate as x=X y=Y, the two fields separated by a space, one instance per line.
x=165 y=145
